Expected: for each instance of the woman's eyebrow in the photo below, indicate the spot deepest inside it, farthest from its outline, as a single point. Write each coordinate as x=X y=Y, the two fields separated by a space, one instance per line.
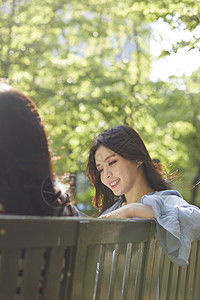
x=109 y=156
x=112 y=155
x=97 y=165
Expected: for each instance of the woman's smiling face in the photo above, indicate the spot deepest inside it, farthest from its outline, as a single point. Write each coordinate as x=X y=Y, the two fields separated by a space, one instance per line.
x=116 y=172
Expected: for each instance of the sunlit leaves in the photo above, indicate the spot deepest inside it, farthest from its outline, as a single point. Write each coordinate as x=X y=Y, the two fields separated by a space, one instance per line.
x=86 y=64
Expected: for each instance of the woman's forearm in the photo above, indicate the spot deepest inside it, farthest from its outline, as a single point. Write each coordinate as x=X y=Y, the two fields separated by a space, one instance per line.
x=133 y=210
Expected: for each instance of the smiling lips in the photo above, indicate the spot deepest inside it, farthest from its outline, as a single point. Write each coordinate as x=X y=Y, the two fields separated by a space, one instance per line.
x=114 y=183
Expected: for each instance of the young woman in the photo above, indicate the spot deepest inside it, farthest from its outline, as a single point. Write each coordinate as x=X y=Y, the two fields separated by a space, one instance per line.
x=128 y=185
x=26 y=177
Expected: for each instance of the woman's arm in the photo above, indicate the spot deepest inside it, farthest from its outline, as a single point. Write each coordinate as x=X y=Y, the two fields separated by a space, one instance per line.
x=133 y=210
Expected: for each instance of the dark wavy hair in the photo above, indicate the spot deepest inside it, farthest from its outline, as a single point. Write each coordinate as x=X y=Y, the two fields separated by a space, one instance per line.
x=126 y=142
x=26 y=175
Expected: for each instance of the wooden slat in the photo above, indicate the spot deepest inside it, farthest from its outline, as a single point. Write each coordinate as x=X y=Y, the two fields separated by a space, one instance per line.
x=135 y=269
x=29 y=288
x=190 y=273
x=105 y=267
x=65 y=292
x=80 y=260
x=172 y=283
x=164 y=277
x=117 y=289
x=18 y=232
x=196 y=289
x=9 y=271
x=99 y=271
x=106 y=231
x=79 y=272
x=129 y=252
x=138 y=283
x=148 y=268
x=155 y=271
x=91 y=274
x=181 y=283
x=114 y=269
x=52 y=281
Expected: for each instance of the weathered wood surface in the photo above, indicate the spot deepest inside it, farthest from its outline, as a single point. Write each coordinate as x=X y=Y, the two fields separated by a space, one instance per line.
x=57 y=258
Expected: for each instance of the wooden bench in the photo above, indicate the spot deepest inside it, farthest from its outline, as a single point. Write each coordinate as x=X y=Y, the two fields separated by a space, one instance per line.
x=54 y=258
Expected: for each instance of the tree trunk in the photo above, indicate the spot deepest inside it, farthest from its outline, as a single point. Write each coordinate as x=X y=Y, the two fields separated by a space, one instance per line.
x=196 y=183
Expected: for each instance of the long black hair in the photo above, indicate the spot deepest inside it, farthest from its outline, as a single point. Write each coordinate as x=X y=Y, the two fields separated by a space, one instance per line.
x=126 y=142
x=26 y=185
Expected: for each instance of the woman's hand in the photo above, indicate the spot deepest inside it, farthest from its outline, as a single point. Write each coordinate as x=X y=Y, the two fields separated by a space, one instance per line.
x=133 y=210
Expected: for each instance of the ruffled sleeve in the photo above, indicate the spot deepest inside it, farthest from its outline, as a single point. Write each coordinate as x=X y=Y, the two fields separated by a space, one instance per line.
x=178 y=224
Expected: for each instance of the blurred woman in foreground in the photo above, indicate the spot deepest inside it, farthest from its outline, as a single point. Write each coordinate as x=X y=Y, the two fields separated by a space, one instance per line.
x=26 y=176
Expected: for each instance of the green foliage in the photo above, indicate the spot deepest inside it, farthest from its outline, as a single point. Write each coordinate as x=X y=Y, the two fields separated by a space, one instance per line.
x=84 y=205
x=86 y=64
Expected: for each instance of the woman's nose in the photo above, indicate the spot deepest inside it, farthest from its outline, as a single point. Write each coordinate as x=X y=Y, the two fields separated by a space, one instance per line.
x=107 y=173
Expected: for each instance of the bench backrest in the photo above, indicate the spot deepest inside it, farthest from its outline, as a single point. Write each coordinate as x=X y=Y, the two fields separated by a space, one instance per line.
x=85 y=258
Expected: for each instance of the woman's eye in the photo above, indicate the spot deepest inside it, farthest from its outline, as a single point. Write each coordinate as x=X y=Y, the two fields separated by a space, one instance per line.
x=112 y=162
x=100 y=170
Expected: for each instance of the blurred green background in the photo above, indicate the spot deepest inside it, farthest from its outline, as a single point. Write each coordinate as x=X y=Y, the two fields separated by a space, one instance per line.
x=88 y=66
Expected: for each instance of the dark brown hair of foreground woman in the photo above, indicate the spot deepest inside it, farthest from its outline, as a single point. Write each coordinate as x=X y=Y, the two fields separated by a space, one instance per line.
x=126 y=142
x=26 y=187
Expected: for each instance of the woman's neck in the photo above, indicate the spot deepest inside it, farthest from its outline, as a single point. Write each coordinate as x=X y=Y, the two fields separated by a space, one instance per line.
x=139 y=189
x=136 y=197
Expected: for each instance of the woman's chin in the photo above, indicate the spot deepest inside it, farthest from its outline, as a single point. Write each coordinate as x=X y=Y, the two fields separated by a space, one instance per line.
x=117 y=194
